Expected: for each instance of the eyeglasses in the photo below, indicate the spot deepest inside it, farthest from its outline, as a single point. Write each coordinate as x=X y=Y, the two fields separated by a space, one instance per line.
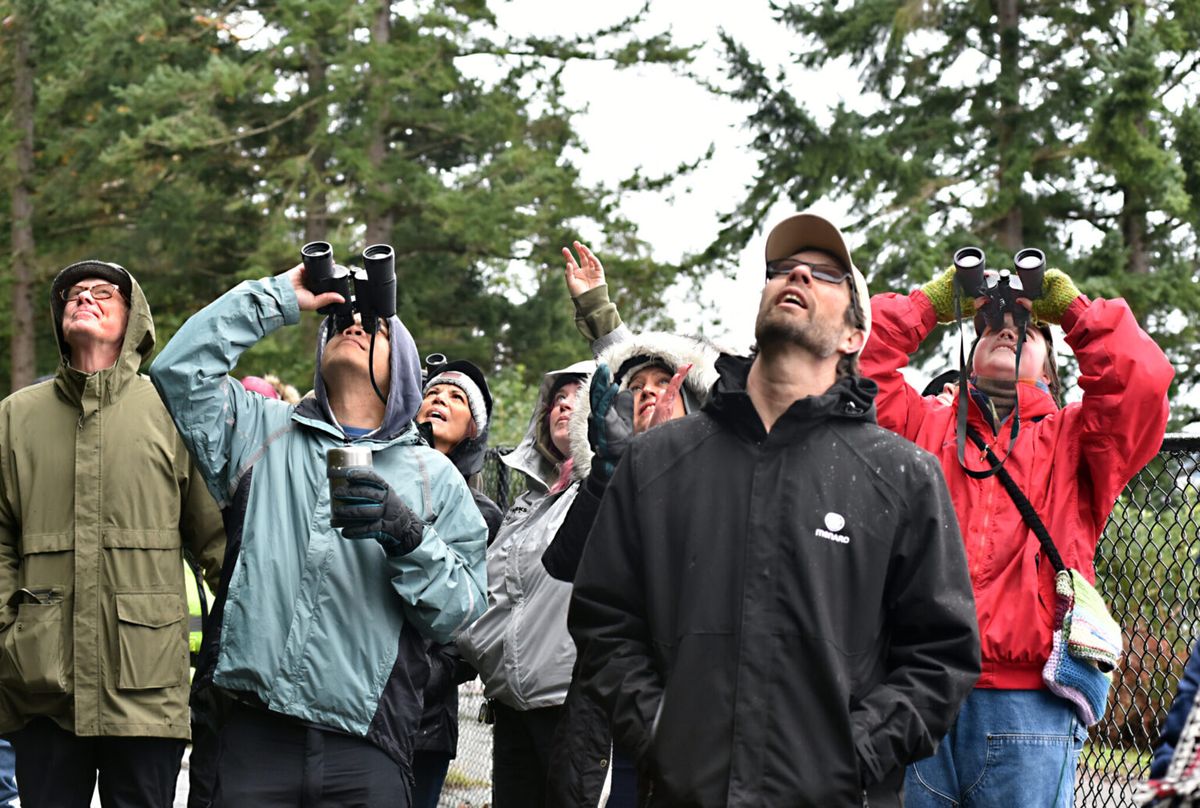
x=830 y=273
x=101 y=291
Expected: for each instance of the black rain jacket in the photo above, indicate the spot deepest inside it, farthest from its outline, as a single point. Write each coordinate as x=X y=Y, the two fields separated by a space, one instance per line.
x=776 y=619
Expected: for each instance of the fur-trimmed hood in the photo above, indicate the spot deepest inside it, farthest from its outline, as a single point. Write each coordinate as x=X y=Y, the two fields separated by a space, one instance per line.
x=674 y=350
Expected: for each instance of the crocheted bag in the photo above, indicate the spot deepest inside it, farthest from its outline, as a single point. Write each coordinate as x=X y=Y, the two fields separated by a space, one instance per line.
x=1086 y=647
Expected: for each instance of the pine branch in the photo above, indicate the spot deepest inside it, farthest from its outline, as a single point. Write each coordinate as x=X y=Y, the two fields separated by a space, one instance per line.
x=242 y=135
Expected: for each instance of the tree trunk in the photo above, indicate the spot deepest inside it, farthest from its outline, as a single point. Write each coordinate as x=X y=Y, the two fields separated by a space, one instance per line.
x=1133 y=208
x=1133 y=231
x=316 y=198
x=316 y=195
x=22 y=351
x=1009 y=224
x=379 y=216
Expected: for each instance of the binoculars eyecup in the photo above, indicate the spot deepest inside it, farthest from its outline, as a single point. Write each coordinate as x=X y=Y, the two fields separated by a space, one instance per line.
x=318 y=260
x=969 y=266
x=1030 y=264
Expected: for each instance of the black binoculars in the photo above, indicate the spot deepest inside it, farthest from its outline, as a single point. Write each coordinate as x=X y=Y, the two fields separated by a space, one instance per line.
x=433 y=365
x=374 y=297
x=1001 y=287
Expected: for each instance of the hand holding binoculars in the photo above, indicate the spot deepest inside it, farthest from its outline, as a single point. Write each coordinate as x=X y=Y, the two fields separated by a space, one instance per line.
x=1001 y=287
x=374 y=283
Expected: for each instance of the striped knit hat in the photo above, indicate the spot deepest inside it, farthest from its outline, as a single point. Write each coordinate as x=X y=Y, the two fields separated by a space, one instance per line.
x=475 y=397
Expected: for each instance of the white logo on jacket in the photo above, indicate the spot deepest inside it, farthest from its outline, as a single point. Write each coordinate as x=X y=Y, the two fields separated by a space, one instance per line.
x=834 y=522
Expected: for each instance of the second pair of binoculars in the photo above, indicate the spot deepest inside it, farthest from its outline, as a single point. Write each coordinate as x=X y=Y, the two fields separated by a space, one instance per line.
x=1000 y=286
x=374 y=292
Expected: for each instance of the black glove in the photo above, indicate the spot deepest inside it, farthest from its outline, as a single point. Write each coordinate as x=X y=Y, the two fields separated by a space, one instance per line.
x=610 y=424
x=366 y=507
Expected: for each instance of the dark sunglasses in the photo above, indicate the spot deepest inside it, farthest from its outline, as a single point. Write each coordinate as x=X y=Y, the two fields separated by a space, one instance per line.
x=101 y=291
x=830 y=273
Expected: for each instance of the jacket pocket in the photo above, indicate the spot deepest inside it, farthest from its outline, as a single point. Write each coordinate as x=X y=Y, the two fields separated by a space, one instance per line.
x=153 y=651
x=34 y=657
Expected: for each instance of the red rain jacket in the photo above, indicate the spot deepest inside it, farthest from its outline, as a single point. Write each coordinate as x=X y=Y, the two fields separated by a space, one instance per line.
x=1072 y=463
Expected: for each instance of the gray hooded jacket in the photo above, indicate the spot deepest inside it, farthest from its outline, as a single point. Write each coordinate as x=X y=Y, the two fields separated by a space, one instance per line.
x=520 y=646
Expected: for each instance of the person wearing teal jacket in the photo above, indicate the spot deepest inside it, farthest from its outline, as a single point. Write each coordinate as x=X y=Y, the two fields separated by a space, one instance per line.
x=317 y=637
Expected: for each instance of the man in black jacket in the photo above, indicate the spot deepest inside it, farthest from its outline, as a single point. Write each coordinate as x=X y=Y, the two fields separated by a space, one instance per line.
x=775 y=595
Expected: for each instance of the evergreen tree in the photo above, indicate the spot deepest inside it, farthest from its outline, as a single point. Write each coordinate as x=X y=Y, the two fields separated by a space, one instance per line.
x=201 y=145
x=90 y=195
x=1004 y=123
x=371 y=132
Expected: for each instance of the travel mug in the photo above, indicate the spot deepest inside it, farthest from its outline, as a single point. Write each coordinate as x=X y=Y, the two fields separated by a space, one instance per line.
x=340 y=460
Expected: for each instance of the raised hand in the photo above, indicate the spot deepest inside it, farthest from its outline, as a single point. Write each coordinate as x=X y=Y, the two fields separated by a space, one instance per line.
x=305 y=298
x=584 y=274
x=1058 y=293
x=940 y=292
x=664 y=407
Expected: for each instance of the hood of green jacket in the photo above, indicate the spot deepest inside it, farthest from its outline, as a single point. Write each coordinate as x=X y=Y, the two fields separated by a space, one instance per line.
x=136 y=348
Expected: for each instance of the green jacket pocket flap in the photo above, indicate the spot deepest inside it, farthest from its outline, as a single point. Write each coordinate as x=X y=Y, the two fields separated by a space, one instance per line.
x=46 y=543
x=142 y=539
x=149 y=609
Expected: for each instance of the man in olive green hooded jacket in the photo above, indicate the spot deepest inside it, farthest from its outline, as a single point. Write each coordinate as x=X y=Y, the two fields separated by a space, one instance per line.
x=98 y=501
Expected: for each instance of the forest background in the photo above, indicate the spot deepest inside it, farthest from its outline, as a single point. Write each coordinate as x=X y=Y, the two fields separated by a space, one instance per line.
x=199 y=144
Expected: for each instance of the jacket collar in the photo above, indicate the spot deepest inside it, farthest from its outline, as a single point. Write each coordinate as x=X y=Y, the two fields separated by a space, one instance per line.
x=1033 y=404
x=850 y=399
x=312 y=414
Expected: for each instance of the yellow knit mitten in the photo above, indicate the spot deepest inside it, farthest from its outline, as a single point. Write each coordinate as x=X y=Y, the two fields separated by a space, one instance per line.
x=1058 y=292
x=940 y=292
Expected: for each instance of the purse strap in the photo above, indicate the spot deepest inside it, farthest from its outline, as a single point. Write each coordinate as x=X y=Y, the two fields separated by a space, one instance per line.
x=1022 y=502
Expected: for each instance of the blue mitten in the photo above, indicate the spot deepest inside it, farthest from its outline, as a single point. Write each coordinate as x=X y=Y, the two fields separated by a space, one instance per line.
x=367 y=508
x=610 y=424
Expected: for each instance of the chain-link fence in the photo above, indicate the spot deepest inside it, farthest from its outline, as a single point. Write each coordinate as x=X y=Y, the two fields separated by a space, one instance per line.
x=1145 y=567
x=1146 y=570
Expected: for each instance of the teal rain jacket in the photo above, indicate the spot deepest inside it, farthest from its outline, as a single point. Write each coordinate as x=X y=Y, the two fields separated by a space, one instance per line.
x=311 y=624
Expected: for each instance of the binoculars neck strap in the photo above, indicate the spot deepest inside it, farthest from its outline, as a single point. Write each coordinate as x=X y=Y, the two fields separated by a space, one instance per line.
x=371 y=367
x=964 y=400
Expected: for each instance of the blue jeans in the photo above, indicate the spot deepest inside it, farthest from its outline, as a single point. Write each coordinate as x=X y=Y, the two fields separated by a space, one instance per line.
x=1007 y=748
x=8 y=768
